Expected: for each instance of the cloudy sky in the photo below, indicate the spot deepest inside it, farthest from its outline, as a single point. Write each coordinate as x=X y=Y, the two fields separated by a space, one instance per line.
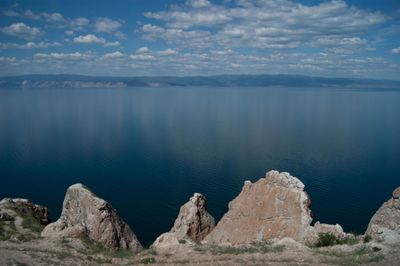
x=354 y=38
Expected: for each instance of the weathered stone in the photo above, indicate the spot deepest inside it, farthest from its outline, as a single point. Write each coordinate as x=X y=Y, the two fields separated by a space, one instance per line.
x=193 y=220
x=10 y=208
x=86 y=215
x=313 y=232
x=396 y=193
x=385 y=224
x=193 y=224
x=274 y=207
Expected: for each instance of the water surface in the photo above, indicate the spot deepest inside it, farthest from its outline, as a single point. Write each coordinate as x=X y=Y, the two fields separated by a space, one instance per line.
x=147 y=150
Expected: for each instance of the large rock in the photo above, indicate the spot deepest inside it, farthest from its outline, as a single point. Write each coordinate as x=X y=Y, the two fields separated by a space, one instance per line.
x=274 y=207
x=193 y=220
x=194 y=223
x=9 y=208
x=21 y=220
x=86 y=215
x=385 y=224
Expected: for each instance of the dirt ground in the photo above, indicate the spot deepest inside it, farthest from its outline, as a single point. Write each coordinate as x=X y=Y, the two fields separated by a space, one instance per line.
x=285 y=252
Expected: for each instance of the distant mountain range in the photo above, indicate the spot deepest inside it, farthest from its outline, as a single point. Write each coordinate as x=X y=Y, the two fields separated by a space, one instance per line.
x=69 y=81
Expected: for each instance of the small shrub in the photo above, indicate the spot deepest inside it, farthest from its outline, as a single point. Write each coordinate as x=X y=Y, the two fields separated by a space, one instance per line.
x=329 y=239
x=376 y=249
x=149 y=260
x=182 y=241
x=233 y=250
x=348 y=240
x=367 y=238
x=123 y=253
x=326 y=240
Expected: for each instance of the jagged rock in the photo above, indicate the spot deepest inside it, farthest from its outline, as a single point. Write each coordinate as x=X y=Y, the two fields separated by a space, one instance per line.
x=274 y=207
x=10 y=208
x=86 y=215
x=194 y=223
x=169 y=243
x=21 y=220
x=335 y=230
x=385 y=224
x=313 y=232
x=193 y=220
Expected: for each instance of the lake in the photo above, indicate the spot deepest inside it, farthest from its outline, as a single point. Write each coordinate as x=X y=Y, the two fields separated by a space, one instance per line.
x=147 y=150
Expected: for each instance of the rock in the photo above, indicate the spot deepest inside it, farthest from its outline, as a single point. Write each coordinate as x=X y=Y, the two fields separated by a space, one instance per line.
x=11 y=208
x=396 y=193
x=21 y=220
x=86 y=215
x=193 y=220
x=168 y=243
x=4 y=216
x=274 y=207
x=194 y=223
x=335 y=230
x=313 y=233
x=385 y=224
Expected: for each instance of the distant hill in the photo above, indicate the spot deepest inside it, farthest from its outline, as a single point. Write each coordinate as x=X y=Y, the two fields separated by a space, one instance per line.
x=69 y=81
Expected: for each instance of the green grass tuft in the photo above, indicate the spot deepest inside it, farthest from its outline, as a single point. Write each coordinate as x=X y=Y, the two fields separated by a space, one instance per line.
x=328 y=239
x=149 y=260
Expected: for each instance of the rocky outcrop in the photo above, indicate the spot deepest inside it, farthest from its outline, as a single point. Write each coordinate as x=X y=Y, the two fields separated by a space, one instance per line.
x=385 y=224
x=274 y=207
x=194 y=223
x=193 y=220
x=313 y=233
x=86 y=215
x=10 y=208
x=21 y=220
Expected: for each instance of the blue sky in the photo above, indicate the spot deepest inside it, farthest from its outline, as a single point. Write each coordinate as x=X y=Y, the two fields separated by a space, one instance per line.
x=358 y=38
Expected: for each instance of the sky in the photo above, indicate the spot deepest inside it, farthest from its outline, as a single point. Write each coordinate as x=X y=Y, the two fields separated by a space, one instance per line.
x=337 y=38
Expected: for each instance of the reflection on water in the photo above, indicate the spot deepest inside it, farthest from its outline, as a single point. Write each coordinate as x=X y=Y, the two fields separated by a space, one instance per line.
x=146 y=150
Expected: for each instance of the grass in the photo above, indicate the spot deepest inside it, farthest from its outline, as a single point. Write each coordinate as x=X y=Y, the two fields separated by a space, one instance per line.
x=29 y=221
x=149 y=260
x=98 y=248
x=218 y=250
x=329 y=239
x=255 y=247
x=367 y=238
x=358 y=256
x=7 y=230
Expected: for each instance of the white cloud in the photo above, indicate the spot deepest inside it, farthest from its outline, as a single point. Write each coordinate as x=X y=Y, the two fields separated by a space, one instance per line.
x=54 y=17
x=262 y=24
x=198 y=3
x=110 y=44
x=142 y=57
x=79 y=23
x=21 y=30
x=93 y=39
x=64 y=56
x=89 y=38
x=143 y=50
x=109 y=26
x=116 y=54
x=168 y=51
x=396 y=50
x=28 y=45
x=7 y=59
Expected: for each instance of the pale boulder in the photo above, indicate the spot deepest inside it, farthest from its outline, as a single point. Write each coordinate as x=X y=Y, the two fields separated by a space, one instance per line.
x=86 y=215
x=274 y=207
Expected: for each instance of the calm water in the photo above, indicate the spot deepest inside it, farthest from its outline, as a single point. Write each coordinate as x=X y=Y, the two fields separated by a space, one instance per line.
x=147 y=150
